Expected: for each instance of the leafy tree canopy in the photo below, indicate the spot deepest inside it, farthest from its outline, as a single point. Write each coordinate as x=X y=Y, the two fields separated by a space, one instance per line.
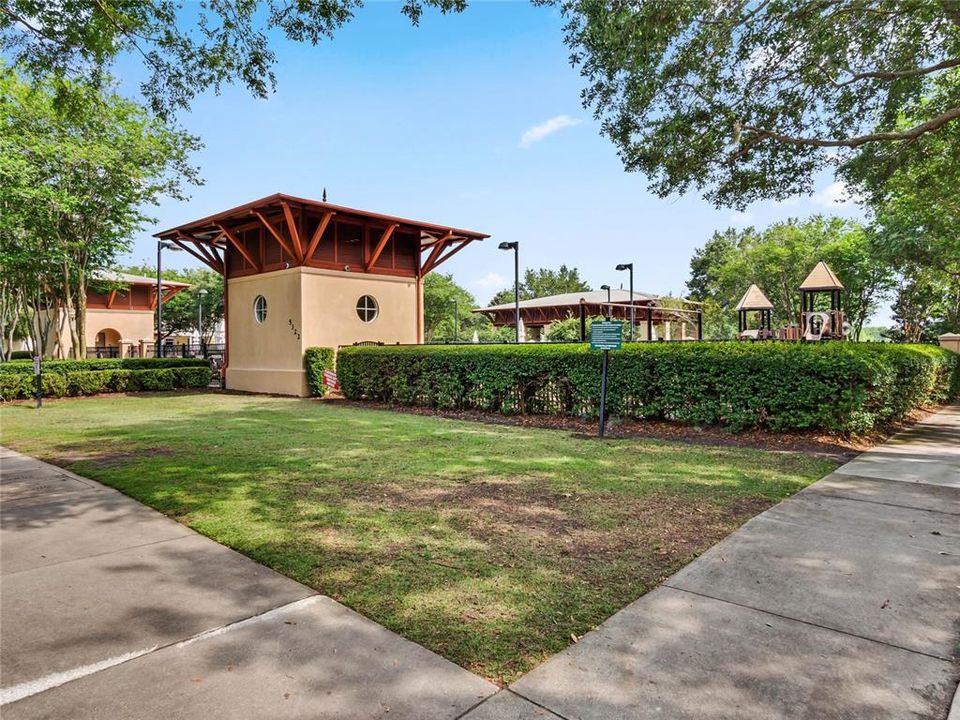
x=75 y=188
x=186 y=47
x=544 y=282
x=439 y=293
x=746 y=100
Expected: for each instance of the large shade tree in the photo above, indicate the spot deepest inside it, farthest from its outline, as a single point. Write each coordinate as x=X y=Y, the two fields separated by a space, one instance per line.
x=745 y=100
x=78 y=181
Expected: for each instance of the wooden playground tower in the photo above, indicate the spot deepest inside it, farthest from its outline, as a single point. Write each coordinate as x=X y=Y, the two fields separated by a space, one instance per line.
x=816 y=323
x=821 y=324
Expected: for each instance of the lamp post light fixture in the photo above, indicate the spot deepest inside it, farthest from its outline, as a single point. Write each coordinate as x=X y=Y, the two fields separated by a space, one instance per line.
x=633 y=309
x=456 y=319
x=607 y=288
x=515 y=246
x=161 y=246
x=201 y=292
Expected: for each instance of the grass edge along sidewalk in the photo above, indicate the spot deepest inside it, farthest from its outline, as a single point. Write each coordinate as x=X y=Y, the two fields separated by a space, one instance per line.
x=494 y=546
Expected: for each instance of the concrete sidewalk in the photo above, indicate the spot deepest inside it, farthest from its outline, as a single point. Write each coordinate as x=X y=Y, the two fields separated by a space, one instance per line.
x=111 y=610
x=841 y=602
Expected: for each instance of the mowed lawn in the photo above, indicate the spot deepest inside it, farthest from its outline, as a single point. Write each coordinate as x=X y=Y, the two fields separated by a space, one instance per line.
x=492 y=545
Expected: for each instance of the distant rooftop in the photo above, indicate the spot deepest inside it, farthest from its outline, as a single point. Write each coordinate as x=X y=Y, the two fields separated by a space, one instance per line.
x=590 y=297
x=128 y=279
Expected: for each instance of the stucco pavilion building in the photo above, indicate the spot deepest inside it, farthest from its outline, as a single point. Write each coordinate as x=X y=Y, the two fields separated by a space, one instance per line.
x=301 y=272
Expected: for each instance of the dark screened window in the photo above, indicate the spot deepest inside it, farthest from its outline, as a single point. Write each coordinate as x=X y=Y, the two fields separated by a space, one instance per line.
x=367 y=308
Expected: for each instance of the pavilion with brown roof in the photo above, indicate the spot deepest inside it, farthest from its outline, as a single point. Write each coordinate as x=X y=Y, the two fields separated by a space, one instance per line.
x=653 y=320
x=301 y=272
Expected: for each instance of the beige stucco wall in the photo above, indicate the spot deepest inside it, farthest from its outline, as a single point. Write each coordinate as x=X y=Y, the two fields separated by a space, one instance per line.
x=133 y=325
x=305 y=307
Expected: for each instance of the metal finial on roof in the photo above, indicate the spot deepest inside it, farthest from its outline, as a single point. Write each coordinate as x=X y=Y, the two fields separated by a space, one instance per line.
x=324 y=195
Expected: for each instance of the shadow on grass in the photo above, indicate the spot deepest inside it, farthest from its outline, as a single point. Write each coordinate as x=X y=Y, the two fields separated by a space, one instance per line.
x=493 y=546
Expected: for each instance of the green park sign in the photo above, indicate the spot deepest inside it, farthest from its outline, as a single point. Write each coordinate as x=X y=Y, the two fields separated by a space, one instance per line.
x=606 y=335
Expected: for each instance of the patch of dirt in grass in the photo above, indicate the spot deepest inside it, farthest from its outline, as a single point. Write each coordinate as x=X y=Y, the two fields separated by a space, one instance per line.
x=106 y=458
x=651 y=533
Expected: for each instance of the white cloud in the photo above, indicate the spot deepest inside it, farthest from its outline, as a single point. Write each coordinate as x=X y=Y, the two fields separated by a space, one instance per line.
x=741 y=219
x=490 y=281
x=537 y=133
x=836 y=194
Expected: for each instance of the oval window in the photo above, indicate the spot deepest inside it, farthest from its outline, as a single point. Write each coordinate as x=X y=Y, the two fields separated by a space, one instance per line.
x=367 y=308
x=260 y=309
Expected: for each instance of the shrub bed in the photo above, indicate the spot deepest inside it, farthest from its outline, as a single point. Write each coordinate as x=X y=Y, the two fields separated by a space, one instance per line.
x=780 y=386
x=66 y=366
x=17 y=385
x=316 y=360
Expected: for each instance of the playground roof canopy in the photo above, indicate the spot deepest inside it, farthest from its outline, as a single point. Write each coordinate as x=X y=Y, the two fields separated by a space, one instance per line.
x=754 y=299
x=821 y=278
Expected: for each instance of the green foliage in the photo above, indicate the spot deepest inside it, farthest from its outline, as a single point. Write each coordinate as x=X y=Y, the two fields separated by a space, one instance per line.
x=439 y=292
x=185 y=51
x=67 y=366
x=316 y=360
x=568 y=330
x=181 y=313
x=911 y=193
x=777 y=260
x=543 y=282
x=779 y=386
x=69 y=380
x=748 y=100
x=75 y=185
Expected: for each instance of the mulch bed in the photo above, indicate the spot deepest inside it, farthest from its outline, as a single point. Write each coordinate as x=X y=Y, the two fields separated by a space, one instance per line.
x=841 y=447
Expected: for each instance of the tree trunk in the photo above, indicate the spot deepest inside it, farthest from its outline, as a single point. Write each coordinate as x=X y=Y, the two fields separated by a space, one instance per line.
x=81 y=303
x=76 y=351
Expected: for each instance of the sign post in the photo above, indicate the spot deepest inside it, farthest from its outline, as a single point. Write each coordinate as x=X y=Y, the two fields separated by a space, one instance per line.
x=36 y=378
x=606 y=336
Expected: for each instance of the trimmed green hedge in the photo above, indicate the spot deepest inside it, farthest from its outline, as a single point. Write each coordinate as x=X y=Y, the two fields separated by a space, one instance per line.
x=15 y=386
x=316 y=360
x=775 y=385
x=66 y=366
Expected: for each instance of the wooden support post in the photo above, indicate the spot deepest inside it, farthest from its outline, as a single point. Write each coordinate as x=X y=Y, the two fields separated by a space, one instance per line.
x=111 y=298
x=241 y=248
x=276 y=235
x=294 y=233
x=317 y=234
x=443 y=259
x=384 y=239
x=437 y=247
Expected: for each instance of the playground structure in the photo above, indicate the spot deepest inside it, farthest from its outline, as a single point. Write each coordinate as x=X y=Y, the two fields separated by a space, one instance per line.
x=821 y=324
x=816 y=323
x=754 y=300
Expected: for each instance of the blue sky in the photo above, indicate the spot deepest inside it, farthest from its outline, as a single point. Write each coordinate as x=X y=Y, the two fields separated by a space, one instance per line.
x=471 y=120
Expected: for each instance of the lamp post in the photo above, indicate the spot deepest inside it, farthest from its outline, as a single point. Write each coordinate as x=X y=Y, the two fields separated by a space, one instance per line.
x=515 y=246
x=161 y=246
x=633 y=310
x=201 y=292
x=607 y=288
x=456 y=319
